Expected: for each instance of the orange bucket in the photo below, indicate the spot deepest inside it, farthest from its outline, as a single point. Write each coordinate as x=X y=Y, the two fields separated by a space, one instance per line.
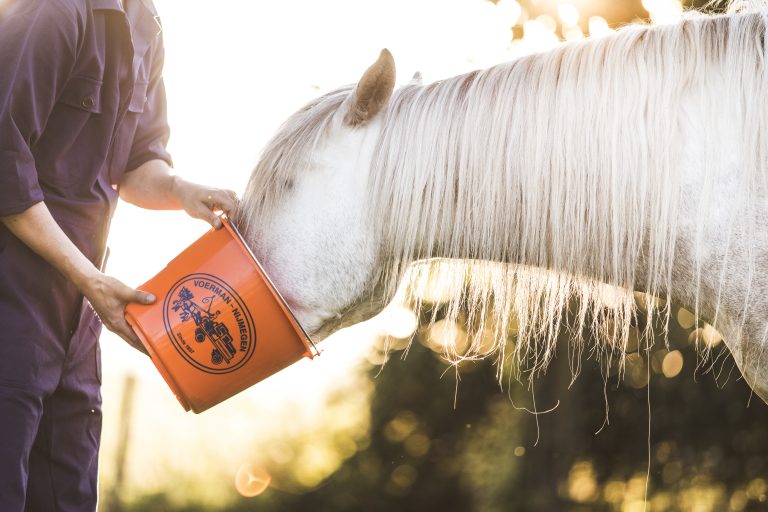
x=218 y=325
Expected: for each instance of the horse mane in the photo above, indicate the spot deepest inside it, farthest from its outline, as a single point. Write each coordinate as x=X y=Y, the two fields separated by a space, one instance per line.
x=572 y=149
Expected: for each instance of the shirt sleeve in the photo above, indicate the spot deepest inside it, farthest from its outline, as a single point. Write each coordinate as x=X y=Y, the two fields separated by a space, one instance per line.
x=152 y=132
x=38 y=48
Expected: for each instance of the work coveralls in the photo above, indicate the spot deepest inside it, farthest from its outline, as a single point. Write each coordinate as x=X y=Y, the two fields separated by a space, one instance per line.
x=82 y=101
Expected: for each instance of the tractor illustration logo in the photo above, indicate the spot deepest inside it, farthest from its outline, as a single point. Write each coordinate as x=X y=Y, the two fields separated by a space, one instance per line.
x=209 y=324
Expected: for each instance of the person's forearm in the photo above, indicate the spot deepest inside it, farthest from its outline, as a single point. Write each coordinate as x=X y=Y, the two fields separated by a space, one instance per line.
x=40 y=232
x=151 y=186
x=37 y=228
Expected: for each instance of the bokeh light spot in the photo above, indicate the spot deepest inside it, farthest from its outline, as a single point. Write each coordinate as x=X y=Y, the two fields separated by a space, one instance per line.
x=446 y=335
x=402 y=426
x=573 y=33
x=636 y=371
x=404 y=476
x=399 y=322
x=568 y=13
x=598 y=27
x=672 y=364
x=251 y=480
x=547 y=22
x=417 y=445
x=582 y=484
x=709 y=335
x=685 y=318
x=510 y=11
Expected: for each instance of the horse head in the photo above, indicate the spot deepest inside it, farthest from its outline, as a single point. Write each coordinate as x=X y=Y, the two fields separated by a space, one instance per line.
x=305 y=211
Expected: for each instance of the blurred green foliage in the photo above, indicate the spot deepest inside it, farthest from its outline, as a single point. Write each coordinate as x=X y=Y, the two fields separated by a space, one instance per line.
x=435 y=444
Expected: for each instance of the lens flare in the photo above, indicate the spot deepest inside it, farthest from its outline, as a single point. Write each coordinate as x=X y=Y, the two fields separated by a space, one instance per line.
x=251 y=480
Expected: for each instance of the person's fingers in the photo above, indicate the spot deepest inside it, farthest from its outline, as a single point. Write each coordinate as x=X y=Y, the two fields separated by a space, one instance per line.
x=135 y=344
x=206 y=213
x=220 y=199
x=212 y=219
x=119 y=326
x=122 y=329
x=228 y=201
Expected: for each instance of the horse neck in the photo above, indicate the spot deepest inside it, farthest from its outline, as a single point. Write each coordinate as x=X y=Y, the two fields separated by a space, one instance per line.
x=503 y=165
x=612 y=181
x=571 y=161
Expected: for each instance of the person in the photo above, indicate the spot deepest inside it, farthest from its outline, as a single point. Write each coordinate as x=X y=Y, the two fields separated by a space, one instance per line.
x=82 y=122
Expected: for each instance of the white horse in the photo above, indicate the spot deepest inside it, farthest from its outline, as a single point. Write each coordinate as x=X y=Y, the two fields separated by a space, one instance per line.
x=638 y=160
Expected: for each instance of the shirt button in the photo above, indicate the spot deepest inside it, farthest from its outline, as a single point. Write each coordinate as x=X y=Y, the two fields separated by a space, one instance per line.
x=88 y=102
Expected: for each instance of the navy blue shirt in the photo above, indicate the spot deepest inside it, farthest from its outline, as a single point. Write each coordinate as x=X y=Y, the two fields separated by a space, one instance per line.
x=82 y=102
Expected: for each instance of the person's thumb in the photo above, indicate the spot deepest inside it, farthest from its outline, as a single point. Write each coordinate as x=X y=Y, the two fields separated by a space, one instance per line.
x=140 y=297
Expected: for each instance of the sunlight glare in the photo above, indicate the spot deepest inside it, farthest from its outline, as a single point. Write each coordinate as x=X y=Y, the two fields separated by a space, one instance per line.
x=573 y=33
x=537 y=37
x=663 y=11
x=598 y=27
x=398 y=322
x=548 y=22
x=509 y=11
x=568 y=13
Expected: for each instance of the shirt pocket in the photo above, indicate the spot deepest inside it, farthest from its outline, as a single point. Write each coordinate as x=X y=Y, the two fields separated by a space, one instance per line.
x=82 y=93
x=138 y=98
x=70 y=150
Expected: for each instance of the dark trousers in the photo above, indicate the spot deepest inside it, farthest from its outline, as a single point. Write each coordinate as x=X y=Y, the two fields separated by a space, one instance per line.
x=50 y=431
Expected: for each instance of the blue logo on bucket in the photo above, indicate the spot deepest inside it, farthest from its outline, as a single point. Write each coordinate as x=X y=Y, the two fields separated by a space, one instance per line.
x=224 y=336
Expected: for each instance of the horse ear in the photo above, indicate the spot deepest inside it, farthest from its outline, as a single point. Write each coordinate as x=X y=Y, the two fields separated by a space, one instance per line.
x=417 y=79
x=373 y=90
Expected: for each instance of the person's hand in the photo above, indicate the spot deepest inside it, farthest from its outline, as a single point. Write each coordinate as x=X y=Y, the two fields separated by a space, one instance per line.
x=108 y=297
x=203 y=202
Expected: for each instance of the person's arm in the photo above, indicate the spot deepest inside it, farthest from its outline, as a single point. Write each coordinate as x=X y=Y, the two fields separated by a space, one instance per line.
x=38 y=47
x=148 y=182
x=152 y=186
x=37 y=229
